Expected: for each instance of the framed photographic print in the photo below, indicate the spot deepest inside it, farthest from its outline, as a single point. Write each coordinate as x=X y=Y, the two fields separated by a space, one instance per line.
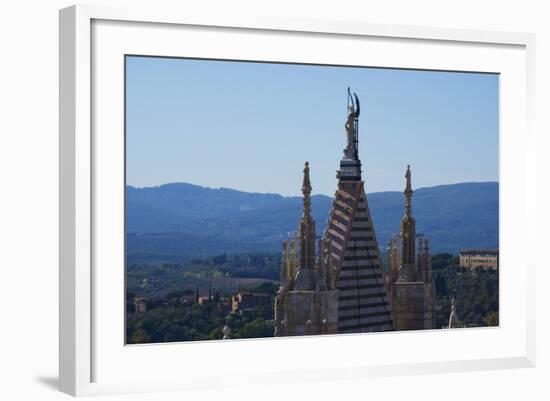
x=351 y=197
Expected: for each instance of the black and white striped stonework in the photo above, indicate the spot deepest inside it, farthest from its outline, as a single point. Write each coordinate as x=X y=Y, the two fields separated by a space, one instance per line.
x=363 y=303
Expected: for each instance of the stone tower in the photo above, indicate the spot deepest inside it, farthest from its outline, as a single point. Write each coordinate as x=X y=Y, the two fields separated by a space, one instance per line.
x=307 y=300
x=409 y=277
x=351 y=246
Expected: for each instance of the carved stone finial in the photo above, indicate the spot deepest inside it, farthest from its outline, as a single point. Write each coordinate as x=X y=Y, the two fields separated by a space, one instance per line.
x=408 y=192
x=226 y=332
x=408 y=235
x=453 y=318
x=306 y=191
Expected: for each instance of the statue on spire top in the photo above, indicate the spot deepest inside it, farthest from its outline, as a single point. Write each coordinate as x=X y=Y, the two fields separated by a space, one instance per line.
x=351 y=125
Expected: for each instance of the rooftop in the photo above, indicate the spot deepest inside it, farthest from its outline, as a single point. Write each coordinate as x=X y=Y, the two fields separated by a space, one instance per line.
x=479 y=251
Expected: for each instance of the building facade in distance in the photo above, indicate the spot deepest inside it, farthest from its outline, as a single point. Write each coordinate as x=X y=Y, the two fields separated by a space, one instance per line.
x=484 y=258
x=245 y=301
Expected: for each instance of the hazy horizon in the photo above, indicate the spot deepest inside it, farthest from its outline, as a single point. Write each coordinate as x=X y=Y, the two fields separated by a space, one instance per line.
x=298 y=195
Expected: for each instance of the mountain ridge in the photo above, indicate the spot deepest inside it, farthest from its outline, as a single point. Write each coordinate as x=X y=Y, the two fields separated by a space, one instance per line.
x=188 y=184
x=182 y=219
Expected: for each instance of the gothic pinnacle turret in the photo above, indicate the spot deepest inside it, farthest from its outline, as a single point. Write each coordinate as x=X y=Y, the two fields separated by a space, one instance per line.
x=408 y=193
x=306 y=191
x=307 y=300
x=306 y=238
x=409 y=277
x=408 y=234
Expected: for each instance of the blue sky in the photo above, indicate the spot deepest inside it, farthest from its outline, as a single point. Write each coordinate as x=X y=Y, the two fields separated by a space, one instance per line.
x=251 y=126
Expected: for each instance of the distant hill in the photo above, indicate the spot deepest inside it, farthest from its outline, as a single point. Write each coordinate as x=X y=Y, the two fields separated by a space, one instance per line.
x=185 y=220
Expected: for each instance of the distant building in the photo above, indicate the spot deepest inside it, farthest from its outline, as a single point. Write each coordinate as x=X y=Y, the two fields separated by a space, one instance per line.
x=243 y=301
x=140 y=305
x=204 y=300
x=188 y=297
x=224 y=307
x=487 y=259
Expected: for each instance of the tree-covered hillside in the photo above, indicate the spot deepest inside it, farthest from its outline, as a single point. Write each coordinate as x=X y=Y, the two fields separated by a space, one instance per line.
x=175 y=221
x=173 y=315
x=476 y=293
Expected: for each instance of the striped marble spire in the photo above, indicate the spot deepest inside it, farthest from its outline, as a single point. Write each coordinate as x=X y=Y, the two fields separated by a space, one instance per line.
x=363 y=303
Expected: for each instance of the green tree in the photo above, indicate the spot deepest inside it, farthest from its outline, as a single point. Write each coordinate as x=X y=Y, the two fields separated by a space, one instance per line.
x=140 y=336
x=256 y=329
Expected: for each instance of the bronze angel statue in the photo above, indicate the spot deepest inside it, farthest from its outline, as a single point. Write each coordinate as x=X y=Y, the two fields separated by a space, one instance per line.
x=351 y=124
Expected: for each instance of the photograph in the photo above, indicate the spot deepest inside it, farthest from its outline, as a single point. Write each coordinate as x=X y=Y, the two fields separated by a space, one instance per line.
x=268 y=199
x=235 y=200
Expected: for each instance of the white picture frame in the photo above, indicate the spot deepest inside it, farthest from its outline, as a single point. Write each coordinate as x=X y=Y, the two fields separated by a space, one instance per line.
x=84 y=355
